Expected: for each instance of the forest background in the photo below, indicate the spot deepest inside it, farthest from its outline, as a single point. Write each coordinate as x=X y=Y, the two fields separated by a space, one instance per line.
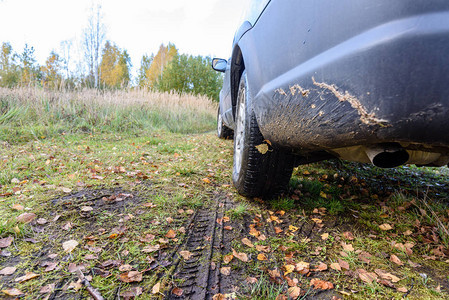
x=105 y=65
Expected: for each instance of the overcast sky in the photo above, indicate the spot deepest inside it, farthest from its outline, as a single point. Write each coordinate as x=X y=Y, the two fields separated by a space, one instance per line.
x=198 y=27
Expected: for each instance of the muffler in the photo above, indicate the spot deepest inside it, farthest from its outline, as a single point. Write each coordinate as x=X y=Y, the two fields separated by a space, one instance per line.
x=388 y=155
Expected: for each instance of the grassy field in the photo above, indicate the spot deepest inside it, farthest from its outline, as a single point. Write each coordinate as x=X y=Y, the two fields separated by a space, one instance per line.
x=33 y=114
x=114 y=198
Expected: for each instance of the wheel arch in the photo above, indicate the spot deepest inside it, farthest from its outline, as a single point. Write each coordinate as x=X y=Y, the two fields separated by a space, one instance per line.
x=237 y=68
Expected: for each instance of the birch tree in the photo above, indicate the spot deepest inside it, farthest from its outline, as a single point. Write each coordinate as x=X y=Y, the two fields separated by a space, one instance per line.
x=93 y=40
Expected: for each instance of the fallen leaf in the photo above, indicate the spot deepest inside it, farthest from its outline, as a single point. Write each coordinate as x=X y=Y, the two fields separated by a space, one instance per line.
x=12 y=292
x=402 y=289
x=228 y=227
x=274 y=273
x=343 y=264
x=292 y=228
x=254 y=232
x=325 y=236
x=151 y=248
x=49 y=265
x=87 y=208
x=396 y=260
x=171 y=234
x=385 y=227
x=247 y=242
x=347 y=247
x=206 y=180
x=242 y=256
x=186 y=254
x=26 y=217
x=251 y=280
x=261 y=237
x=302 y=267
x=219 y=297
x=69 y=245
x=321 y=267
x=321 y=284
x=366 y=276
x=335 y=266
x=41 y=221
x=262 y=148
x=408 y=232
x=281 y=297
x=6 y=242
x=262 y=248
x=8 y=270
x=277 y=229
x=26 y=277
x=177 y=291
x=413 y=265
x=149 y=205
x=125 y=268
x=228 y=258
x=262 y=257
x=386 y=275
x=294 y=292
x=90 y=256
x=225 y=271
x=49 y=288
x=288 y=269
x=131 y=276
x=365 y=257
x=156 y=288
x=348 y=235
x=17 y=207
x=317 y=221
x=132 y=293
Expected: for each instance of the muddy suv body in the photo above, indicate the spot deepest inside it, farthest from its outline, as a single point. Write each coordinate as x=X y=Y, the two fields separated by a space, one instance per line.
x=365 y=81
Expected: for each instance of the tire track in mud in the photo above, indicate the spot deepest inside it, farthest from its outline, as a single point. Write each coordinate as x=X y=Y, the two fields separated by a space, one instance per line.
x=199 y=277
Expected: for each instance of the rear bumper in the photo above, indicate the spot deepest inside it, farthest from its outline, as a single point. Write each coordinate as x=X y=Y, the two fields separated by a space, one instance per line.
x=387 y=84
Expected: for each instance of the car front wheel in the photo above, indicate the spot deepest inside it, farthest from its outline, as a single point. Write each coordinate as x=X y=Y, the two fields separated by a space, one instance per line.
x=258 y=170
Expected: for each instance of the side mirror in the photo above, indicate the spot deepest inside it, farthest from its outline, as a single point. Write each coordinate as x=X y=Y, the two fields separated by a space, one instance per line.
x=219 y=64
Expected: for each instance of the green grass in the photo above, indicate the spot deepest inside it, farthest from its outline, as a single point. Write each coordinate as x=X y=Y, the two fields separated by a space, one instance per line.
x=49 y=155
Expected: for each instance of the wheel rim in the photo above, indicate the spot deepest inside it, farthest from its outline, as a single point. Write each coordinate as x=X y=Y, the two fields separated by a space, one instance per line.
x=219 y=124
x=239 y=135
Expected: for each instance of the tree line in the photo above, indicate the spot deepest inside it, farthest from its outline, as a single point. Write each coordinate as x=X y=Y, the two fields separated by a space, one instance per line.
x=107 y=66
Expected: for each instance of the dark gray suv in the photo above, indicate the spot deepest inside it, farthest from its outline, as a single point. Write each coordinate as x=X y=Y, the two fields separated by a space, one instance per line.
x=364 y=81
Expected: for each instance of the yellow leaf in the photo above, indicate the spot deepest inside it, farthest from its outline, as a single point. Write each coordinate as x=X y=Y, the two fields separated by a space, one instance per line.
x=262 y=148
x=293 y=228
x=288 y=269
x=262 y=257
x=323 y=195
x=170 y=234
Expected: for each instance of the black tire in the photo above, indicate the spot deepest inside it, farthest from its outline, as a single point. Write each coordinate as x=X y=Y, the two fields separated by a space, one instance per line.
x=223 y=132
x=255 y=173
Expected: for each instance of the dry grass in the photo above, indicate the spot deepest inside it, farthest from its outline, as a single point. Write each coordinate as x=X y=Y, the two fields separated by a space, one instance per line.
x=34 y=112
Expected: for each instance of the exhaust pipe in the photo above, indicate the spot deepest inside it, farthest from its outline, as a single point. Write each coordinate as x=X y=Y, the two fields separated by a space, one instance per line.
x=388 y=155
